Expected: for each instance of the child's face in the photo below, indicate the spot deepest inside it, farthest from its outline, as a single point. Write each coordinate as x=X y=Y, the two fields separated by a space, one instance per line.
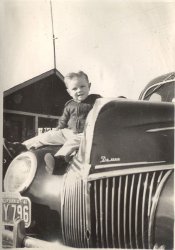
x=78 y=88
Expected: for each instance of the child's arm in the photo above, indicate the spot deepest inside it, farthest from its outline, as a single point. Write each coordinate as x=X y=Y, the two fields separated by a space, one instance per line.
x=63 y=120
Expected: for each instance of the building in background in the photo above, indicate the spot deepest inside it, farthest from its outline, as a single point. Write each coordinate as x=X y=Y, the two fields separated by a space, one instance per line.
x=34 y=106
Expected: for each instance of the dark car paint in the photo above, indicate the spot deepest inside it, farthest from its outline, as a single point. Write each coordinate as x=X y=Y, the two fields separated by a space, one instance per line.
x=134 y=134
x=169 y=77
x=163 y=86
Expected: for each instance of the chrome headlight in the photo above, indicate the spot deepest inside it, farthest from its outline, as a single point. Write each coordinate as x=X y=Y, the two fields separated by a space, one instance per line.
x=20 y=173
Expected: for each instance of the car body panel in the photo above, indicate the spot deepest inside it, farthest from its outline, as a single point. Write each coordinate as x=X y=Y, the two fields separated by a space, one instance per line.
x=161 y=88
x=138 y=127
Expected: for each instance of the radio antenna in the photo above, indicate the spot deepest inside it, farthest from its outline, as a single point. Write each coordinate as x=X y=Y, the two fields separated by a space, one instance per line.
x=53 y=36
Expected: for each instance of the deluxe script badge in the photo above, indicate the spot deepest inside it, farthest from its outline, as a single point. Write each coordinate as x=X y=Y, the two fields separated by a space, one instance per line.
x=104 y=159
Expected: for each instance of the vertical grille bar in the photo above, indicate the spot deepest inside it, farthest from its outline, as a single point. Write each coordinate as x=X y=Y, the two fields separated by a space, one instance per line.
x=81 y=217
x=75 y=219
x=71 y=215
x=159 y=178
x=68 y=218
x=86 y=201
x=84 y=216
x=101 y=213
x=118 y=209
x=112 y=212
x=125 y=211
x=137 y=210
x=78 y=215
x=96 y=213
x=131 y=212
x=143 y=210
x=63 y=211
x=106 y=212
x=150 y=193
x=78 y=212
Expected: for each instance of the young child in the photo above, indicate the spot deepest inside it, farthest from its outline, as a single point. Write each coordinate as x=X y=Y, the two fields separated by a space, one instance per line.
x=71 y=124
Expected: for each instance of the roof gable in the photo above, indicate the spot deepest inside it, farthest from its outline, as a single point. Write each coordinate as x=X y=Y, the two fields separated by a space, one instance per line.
x=44 y=94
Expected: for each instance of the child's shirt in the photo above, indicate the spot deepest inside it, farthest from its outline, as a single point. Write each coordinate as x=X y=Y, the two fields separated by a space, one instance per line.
x=75 y=113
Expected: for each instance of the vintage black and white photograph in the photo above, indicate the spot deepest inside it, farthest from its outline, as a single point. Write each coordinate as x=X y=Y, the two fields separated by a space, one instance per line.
x=88 y=93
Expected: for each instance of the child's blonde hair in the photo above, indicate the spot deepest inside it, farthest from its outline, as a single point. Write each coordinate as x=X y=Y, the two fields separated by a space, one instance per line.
x=79 y=74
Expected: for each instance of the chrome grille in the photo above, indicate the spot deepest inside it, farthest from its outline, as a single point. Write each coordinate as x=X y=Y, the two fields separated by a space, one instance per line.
x=120 y=209
x=73 y=212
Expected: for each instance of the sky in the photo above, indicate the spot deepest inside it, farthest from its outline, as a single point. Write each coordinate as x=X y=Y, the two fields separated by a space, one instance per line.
x=121 y=45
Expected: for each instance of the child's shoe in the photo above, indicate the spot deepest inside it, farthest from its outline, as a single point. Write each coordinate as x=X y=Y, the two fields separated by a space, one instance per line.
x=55 y=165
x=60 y=161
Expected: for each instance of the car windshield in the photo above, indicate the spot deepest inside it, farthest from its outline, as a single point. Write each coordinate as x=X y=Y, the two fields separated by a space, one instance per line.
x=163 y=92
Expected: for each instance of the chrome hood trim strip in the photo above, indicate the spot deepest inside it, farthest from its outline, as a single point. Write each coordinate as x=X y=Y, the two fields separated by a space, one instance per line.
x=126 y=171
x=127 y=164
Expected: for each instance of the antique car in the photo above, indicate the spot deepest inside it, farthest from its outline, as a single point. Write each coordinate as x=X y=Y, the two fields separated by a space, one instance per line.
x=116 y=192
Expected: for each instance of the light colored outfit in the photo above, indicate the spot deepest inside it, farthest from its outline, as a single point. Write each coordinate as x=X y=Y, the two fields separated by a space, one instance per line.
x=70 y=128
x=65 y=137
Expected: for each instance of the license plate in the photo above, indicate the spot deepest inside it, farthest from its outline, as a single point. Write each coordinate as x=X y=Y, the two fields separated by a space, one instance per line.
x=15 y=206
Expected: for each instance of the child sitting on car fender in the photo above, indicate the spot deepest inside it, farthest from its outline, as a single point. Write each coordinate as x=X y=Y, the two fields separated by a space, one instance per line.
x=71 y=124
